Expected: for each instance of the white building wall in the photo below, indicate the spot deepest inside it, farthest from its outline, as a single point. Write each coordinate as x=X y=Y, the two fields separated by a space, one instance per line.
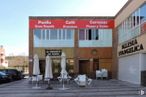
x=130 y=68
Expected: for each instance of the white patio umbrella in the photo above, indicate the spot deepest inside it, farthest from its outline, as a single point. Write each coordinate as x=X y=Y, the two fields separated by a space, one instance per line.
x=48 y=71
x=63 y=65
x=63 y=70
x=36 y=69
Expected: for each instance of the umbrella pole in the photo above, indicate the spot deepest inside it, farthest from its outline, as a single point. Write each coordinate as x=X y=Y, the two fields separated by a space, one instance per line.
x=49 y=86
x=36 y=86
x=37 y=81
x=63 y=86
x=63 y=82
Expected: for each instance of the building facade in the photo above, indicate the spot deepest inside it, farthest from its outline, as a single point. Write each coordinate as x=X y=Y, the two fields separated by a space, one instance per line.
x=3 y=61
x=130 y=42
x=90 y=43
x=86 y=42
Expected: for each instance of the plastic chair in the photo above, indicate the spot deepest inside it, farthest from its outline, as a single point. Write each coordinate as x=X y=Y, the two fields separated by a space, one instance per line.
x=83 y=80
x=64 y=77
x=98 y=74
x=104 y=73
x=38 y=78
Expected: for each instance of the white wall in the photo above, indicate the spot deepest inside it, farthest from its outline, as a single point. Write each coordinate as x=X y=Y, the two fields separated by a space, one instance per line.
x=130 y=68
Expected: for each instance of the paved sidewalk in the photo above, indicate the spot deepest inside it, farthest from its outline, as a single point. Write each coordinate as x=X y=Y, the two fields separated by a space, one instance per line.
x=98 y=88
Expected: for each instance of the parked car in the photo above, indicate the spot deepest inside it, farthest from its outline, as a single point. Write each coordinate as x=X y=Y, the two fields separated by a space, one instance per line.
x=14 y=73
x=4 y=77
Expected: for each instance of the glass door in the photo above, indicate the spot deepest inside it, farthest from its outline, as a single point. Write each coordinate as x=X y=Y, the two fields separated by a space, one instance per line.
x=56 y=67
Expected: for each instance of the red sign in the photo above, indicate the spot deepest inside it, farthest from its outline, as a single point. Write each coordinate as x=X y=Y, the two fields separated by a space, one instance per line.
x=74 y=23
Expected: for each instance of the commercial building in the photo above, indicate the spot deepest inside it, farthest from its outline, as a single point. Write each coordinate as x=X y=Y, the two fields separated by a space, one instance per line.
x=86 y=41
x=130 y=42
x=117 y=44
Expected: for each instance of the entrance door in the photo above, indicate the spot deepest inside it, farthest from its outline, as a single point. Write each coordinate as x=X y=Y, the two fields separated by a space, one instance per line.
x=56 y=65
x=42 y=66
x=95 y=64
x=95 y=67
x=84 y=67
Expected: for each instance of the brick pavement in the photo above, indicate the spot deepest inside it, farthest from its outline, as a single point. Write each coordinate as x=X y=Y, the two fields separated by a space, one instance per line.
x=98 y=88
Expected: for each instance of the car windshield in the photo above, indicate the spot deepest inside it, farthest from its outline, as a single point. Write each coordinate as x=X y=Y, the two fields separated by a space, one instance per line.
x=1 y=73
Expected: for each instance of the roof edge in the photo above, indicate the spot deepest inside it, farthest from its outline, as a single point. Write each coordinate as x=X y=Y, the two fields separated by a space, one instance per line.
x=82 y=17
x=127 y=3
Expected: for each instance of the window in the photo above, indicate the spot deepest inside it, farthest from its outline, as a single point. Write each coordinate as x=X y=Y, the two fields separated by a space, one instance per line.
x=96 y=35
x=68 y=34
x=47 y=34
x=37 y=33
x=1 y=54
x=133 y=20
x=59 y=34
x=43 y=34
x=53 y=38
x=143 y=13
x=63 y=34
x=95 y=38
x=88 y=34
x=82 y=34
x=53 y=34
x=130 y=27
x=2 y=60
x=70 y=65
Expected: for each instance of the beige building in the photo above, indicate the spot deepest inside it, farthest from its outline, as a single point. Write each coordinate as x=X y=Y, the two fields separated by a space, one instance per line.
x=130 y=42
x=3 y=61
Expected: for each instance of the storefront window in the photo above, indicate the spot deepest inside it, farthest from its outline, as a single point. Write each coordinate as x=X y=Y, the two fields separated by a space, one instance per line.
x=70 y=66
x=56 y=65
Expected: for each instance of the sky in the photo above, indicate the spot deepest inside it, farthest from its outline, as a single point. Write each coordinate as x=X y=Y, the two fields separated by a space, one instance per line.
x=14 y=16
